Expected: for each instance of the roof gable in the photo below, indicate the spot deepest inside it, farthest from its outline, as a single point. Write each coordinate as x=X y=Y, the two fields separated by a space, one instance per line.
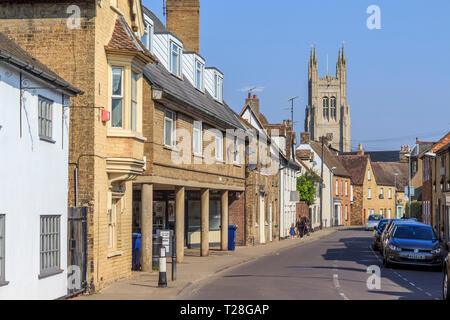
x=356 y=166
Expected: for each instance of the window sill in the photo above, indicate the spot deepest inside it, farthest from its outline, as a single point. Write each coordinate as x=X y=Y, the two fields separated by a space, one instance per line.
x=237 y=165
x=171 y=148
x=4 y=283
x=49 y=140
x=113 y=254
x=122 y=133
x=199 y=156
x=219 y=161
x=50 y=274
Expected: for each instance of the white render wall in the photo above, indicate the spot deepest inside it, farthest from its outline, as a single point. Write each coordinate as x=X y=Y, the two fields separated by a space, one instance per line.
x=34 y=182
x=288 y=183
x=327 y=201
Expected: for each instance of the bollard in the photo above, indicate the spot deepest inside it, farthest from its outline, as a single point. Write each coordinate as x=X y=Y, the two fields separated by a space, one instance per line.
x=174 y=257
x=162 y=283
x=156 y=244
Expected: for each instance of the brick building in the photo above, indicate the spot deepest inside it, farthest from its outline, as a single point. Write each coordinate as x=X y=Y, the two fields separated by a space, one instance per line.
x=194 y=179
x=94 y=46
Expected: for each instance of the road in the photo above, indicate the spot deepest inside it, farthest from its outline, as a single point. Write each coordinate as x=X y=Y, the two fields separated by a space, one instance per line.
x=331 y=268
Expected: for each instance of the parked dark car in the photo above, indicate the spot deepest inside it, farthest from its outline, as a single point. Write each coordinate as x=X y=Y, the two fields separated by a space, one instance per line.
x=446 y=279
x=388 y=228
x=412 y=243
x=377 y=233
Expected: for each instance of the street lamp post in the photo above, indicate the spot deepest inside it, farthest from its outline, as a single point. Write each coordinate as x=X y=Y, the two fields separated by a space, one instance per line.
x=408 y=155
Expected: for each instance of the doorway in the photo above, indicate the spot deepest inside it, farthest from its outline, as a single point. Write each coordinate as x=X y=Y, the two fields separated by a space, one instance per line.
x=262 y=220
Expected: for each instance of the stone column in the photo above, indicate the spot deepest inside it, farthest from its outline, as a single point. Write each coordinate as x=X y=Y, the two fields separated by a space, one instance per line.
x=204 y=222
x=179 y=222
x=147 y=227
x=224 y=223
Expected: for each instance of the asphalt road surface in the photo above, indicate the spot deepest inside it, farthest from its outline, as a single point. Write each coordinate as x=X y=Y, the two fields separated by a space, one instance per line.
x=332 y=268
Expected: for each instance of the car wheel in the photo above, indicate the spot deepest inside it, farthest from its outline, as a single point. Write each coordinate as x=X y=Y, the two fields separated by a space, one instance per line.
x=445 y=286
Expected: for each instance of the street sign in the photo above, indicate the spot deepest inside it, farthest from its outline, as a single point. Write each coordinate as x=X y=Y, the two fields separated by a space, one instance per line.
x=166 y=240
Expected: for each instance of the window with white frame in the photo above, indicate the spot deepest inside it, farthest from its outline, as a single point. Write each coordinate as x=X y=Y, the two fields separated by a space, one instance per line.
x=337 y=187
x=169 y=128
x=2 y=248
x=351 y=192
x=197 y=138
x=45 y=118
x=346 y=188
x=147 y=36
x=236 y=155
x=368 y=175
x=219 y=145
x=389 y=212
x=50 y=245
x=112 y=225
x=381 y=192
x=346 y=213
x=218 y=87
x=390 y=193
x=175 y=59
x=199 y=71
x=369 y=193
x=117 y=97
x=381 y=211
x=134 y=101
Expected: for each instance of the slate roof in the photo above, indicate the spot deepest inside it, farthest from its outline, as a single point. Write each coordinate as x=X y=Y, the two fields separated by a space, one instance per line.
x=384 y=173
x=378 y=156
x=182 y=89
x=330 y=159
x=15 y=55
x=356 y=166
x=123 y=38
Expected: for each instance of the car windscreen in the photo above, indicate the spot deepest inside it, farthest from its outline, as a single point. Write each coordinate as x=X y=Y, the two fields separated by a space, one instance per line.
x=414 y=233
x=374 y=218
x=382 y=225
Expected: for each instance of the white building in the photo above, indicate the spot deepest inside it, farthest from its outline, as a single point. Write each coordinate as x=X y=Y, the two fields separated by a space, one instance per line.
x=34 y=140
x=327 y=192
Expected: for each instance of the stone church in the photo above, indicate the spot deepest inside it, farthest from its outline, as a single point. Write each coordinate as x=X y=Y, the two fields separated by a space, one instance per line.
x=327 y=113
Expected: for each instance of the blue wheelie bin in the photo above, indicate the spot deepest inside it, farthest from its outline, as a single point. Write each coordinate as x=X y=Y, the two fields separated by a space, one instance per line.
x=136 y=253
x=232 y=237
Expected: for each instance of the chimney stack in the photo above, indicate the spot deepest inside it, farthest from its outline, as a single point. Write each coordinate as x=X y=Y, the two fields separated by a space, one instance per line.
x=360 y=150
x=402 y=154
x=254 y=102
x=305 y=137
x=183 y=19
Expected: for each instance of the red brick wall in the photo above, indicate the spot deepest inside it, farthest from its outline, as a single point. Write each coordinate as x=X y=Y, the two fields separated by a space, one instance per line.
x=302 y=209
x=236 y=215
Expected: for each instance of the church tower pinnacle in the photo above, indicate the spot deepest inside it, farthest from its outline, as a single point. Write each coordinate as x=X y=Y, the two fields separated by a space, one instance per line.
x=328 y=113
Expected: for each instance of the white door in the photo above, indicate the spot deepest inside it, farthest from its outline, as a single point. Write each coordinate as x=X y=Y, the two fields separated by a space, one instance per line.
x=270 y=222
x=262 y=220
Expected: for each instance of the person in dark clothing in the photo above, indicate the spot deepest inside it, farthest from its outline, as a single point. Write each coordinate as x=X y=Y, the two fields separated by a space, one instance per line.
x=302 y=227
x=299 y=230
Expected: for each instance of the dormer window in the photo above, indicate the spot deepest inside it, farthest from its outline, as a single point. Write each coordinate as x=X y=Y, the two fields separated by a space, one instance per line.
x=175 y=59
x=199 y=71
x=147 y=36
x=218 y=87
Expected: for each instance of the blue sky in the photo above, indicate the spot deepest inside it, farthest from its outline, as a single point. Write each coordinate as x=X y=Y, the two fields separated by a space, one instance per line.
x=398 y=76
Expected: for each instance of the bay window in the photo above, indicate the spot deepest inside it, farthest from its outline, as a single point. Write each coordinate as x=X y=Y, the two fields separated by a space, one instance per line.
x=134 y=101
x=117 y=97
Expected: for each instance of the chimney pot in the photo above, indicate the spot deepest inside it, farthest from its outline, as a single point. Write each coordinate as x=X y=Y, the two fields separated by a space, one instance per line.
x=254 y=96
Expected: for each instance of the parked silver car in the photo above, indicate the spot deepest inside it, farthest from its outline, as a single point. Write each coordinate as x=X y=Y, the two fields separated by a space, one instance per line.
x=373 y=220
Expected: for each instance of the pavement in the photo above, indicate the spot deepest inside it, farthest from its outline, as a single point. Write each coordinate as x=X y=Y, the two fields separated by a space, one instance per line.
x=335 y=267
x=194 y=270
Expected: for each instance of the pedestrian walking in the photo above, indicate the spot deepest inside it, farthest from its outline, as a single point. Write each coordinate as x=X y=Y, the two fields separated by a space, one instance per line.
x=302 y=227
x=292 y=231
x=298 y=227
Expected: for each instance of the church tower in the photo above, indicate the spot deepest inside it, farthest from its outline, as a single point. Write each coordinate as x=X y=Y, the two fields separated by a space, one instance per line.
x=327 y=112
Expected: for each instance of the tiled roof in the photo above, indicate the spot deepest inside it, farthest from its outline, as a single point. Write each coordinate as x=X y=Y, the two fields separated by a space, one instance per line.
x=330 y=159
x=356 y=166
x=123 y=38
x=379 y=156
x=182 y=89
x=18 y=57
x=442 y=143
x=385 y=173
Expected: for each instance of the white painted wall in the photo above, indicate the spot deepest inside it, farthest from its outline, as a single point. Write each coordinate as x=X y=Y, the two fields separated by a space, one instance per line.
x=327 y=201
x=287 y=184
x=34 y=182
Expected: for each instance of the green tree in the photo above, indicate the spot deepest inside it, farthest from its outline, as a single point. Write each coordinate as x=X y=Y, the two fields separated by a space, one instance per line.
x=306 y=185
